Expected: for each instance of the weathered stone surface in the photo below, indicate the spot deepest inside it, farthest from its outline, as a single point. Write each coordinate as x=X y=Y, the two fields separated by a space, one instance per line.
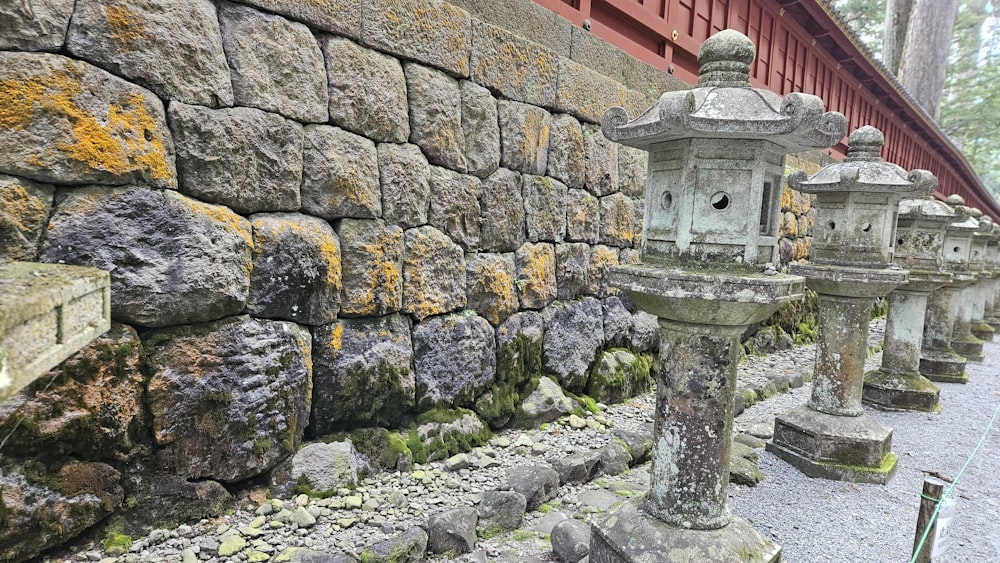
x=36 y=26
x=502 y=211
x=617 y=376
x=172 y=47
x=433 y=273
x=601 y=157
x=480 y=129
x=244 y=158
x=454 y=358
x=172 y=259
x=526 y=19
x=340 y=175
x=367 y=91
x=24 y=211
x=629 y=256
x=44 y=510
x=621 y=221
x=743 y=471
x=408 y=547
x=342 y=17
x=601 y=259
x=430 y=31
x=570 y=540
x=490 y=286
x=786 y=250
x=436 y=115
x=164 y=501
x=372 y=268
x=296 y=269
x=326 y=467
x=455 y=206
x=537 y=483
x=513 y=66
x=617 y=323
x=572 y=270
x=583 y=217
x=406 y=193
x=573 y=334
x=452 y=531
x=544 y=208
x=638 y=443
x=220 y=408
x=632 y=164
x=276 y=65
x=545 y=404
x=90 y=406
x=361 y=373
x=440 y=440
x=66 y=121
x=586 y=93
x=501 y=510
x=565 y=160
x=536 y=274
x=614 y=458
x=524 y=137
x=579 y=467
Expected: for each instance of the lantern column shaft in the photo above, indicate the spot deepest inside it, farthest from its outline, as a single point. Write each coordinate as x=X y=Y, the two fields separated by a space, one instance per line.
x=938 y=360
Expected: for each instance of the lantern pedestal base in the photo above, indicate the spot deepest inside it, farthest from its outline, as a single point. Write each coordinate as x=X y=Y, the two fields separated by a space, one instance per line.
x=982 y=331
x=840 y=448
x=900 y=391
x=631 y=535
x=943 y=366
x=970 y=347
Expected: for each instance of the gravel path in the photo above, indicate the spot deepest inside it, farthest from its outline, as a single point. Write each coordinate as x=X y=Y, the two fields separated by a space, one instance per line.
x=814 y=520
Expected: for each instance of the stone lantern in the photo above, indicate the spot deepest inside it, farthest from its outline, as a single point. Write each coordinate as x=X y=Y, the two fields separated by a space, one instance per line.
x=920 y=235
x=982 y=240
x=938 y=360
x=992 y=297
x=963 y=340
x=856 y=207
x=710 y=237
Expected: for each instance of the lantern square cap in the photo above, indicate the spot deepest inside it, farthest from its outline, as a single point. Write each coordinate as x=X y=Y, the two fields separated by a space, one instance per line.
x=864 y=171
x=724 y=105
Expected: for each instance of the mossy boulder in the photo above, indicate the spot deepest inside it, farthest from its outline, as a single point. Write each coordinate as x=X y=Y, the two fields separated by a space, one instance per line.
x=519 y=358
x=618 y=375
x=545 y=402
x=440 y=433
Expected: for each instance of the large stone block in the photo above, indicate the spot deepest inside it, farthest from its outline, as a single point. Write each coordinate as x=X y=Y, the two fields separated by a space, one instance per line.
x=172 y=259
x=502 y=212
x=101 y=385
x=342 y=17
x=372 y=268
x=361 y=373
x=47 y=312
x=536 y=274
x=244 y=158
x=66 y=121
x=433 y=273
x=515 y=67
x=229 y=399
x=436 y=115
x=340 y=174
x=524 y=137
x=490 y=286
x=574 y=333
x=602 y=259
x=583 y=217
x=172 y=47
x=454 y=359
x=544 y=208
x=526 y=19
x=432 y=32
x=44 y=510
x=632 y=165
x=36 y=26
x=565 y=160
x=403 y=173
x=586 y=93
x=25 y=209
x=455 y=206
x=481 y=130
x=296 y=269
x=367 y=91
x=572 y=270
x=601 y=157
x=621 y=220
x=276 y=64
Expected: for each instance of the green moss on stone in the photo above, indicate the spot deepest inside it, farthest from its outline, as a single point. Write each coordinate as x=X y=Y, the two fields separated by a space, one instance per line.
x=447 y=442
x=116 y=539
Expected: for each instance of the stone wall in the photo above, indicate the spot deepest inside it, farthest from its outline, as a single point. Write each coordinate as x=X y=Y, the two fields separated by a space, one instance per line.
x=317 y=216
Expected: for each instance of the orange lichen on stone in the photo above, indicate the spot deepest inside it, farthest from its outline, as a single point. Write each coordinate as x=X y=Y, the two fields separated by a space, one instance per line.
x=323 y=241
x=18 y=206
x=119 y=143
x=619 y=222
x=221 y=215
x=539 y=272
x=383 y=274
x=601 y=259
x=500 y=286
x=127 y=26
x=336 y=337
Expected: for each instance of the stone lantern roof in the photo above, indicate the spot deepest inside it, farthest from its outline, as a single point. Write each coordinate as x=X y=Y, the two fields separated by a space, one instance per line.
x=724 y=105
x=864 y=171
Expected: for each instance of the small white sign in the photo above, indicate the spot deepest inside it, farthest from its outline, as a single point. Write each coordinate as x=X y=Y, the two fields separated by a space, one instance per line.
x=942 y=527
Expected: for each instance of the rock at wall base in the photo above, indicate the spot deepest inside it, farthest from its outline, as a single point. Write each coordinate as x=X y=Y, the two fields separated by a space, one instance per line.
x=630 y=535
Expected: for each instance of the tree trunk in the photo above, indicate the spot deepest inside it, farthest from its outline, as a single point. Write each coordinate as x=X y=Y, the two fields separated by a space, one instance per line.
x=897 y=18
x=925 y=52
